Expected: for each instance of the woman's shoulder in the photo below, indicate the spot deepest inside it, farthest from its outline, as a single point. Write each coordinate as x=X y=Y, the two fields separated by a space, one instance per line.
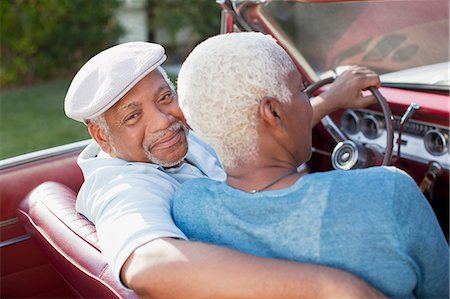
x=385 y=173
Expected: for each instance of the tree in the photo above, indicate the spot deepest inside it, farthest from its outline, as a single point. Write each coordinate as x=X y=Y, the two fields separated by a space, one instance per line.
x=199 y=19
x=40 y=39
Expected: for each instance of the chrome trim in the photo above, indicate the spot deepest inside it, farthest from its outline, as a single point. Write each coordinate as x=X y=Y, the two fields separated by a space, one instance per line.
x=234 y=7
x=223 y=21
x=440 y=135
x=43 y=154
x=415 y=149
x=333 y=130
x=399 y=117
x=14 y=240
x=366 y=128
x=351 y=114
x=10 y=221
x=348 y=148
x=410 y=111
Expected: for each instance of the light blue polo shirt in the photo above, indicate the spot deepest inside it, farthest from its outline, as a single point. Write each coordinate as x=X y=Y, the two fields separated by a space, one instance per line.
x=129 y=202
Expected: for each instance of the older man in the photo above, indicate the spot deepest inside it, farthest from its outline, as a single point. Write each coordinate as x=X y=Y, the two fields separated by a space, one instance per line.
x=375 y=222
x=143 y=151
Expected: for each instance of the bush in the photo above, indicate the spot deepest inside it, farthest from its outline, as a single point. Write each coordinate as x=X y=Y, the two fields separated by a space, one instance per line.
x=47 y=38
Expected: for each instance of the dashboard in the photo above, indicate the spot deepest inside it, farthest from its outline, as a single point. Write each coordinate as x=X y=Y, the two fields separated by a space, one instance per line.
x=424 y=136
x=420 y=141
x=424 y=150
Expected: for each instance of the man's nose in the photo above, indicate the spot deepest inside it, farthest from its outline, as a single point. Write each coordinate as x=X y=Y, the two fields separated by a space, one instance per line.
x=161 y=119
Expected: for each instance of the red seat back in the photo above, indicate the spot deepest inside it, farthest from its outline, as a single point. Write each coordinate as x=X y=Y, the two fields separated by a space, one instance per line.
x=70 y=241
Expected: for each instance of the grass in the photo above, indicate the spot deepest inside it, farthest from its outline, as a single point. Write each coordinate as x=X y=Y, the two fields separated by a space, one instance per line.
x=32 y=118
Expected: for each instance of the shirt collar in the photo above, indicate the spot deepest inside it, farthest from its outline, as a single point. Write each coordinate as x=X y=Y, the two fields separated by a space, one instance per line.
x=199 y=154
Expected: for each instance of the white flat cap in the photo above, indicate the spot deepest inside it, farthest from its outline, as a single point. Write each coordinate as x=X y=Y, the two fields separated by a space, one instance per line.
x=108 y=76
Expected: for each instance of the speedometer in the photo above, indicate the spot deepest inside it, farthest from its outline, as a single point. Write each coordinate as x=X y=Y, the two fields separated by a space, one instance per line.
x=436 y=142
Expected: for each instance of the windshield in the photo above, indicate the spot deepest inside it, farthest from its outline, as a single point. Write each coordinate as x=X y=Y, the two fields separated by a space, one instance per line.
x=408 y=37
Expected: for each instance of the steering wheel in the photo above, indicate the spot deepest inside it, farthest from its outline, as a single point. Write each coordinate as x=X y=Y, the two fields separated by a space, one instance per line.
x=348 y=154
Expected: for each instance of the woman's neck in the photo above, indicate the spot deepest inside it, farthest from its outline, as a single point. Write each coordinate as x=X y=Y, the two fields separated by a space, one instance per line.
x=262 y=178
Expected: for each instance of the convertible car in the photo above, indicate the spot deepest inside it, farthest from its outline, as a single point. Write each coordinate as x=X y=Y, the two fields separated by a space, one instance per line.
x=48 y=250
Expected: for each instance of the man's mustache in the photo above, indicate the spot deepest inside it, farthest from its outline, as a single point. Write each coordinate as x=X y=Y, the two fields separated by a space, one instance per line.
x=174 y=127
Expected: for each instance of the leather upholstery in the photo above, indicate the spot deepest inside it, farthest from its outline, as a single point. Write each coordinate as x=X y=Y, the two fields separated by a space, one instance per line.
x=70 y=241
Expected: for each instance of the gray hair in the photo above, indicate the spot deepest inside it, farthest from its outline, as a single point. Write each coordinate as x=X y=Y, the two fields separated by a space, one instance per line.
x=101 y=122
x=221 y=84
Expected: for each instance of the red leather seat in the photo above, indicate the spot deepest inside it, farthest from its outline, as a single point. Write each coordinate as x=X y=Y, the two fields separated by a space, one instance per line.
x=70 y=241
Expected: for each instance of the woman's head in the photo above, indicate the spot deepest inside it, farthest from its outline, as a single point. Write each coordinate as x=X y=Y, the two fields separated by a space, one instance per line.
x=221 y=85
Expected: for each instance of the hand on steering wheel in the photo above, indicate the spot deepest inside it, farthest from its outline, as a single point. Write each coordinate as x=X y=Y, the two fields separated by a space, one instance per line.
x=348 y=154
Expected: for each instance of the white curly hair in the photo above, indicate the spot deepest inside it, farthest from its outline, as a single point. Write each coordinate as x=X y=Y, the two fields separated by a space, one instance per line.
x=221 y=84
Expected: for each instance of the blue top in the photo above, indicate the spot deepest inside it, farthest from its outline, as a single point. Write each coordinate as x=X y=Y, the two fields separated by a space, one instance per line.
x=374 y=223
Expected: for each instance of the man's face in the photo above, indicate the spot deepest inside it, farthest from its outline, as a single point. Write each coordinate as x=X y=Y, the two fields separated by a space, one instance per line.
x=299 y=117
x=147 y=125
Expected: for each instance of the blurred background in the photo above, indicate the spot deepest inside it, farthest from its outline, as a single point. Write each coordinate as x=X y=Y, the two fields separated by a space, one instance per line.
x=44 y=42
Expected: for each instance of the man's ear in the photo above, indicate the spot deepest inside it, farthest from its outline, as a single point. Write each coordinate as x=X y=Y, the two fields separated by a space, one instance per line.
x=271 y=113
x=99 y=136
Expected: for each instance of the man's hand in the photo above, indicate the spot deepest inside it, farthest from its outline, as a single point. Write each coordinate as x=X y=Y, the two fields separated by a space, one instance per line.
x=169 y=268
x=346 y=92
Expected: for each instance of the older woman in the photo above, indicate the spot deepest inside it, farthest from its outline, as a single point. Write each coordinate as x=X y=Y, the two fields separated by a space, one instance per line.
x=242 y=93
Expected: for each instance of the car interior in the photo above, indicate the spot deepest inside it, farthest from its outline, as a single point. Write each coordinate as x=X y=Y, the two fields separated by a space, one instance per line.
x=53 y=250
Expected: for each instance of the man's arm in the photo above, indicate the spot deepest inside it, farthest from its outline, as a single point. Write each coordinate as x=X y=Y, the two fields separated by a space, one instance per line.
x=345 y=92
x=170 y=268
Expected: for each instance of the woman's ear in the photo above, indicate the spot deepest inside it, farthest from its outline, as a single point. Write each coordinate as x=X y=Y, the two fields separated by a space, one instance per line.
x=100 y=136
x=271 y=113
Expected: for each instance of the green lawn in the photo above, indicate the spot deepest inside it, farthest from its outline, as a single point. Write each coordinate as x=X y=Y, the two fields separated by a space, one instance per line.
x=32 y=118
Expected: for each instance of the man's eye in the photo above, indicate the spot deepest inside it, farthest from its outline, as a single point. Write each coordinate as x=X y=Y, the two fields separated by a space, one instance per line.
x=167 y=98
x=131 y=117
